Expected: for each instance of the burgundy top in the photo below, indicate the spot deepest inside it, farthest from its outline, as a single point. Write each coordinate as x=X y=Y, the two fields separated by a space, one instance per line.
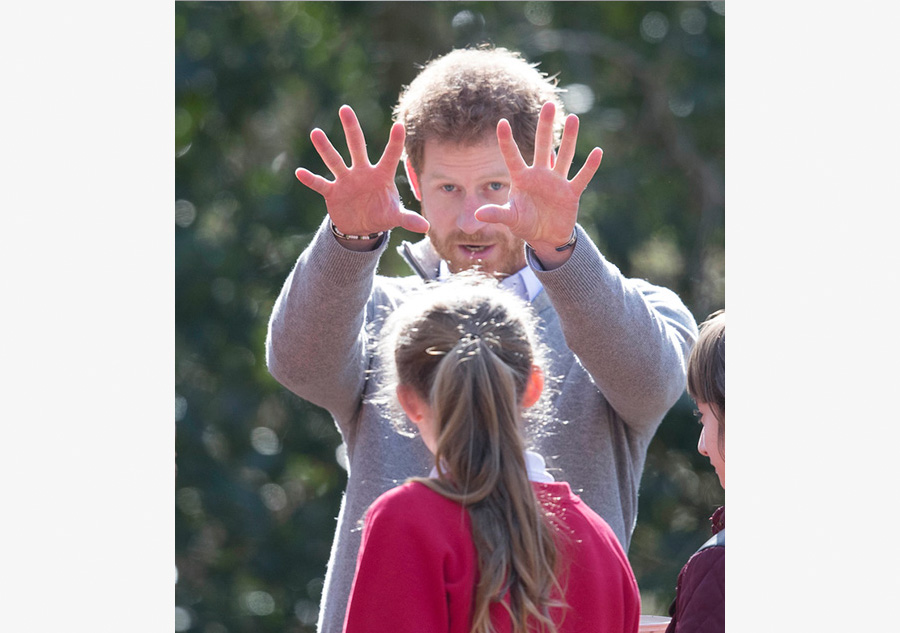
x=417 y=567
x=699 y=605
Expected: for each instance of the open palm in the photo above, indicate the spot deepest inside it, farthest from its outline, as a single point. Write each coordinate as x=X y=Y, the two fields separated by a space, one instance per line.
x=362 y=198
x=543 y=202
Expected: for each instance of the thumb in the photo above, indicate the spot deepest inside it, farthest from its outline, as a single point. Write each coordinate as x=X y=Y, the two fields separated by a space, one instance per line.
x=412 y=221
x=496 y=214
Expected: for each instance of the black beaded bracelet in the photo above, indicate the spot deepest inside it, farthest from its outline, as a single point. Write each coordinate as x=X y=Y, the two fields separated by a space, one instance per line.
x=344 y=236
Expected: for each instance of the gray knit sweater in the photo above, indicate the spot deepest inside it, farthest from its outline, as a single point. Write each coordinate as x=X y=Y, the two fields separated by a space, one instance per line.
x=618 y=345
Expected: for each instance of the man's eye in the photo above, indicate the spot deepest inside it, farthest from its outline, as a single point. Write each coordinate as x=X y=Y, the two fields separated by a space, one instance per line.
x=496 y=186
x=448 y=188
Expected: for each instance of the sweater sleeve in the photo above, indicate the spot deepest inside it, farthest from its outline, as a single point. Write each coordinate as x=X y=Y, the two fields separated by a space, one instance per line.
x=316 y=344
x=414 y=572
x=700 y=595
x=631 y=336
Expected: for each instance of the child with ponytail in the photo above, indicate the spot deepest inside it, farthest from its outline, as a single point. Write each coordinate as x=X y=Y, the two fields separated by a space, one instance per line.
x=490 y=542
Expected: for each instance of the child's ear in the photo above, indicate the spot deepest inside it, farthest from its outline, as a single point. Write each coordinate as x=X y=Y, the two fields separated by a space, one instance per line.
x=534 y=388
x=412 y=404
x=413 y=179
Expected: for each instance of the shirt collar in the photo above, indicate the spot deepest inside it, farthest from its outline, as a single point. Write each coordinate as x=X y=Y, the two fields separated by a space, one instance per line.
x=524 y=283
x=534 y=464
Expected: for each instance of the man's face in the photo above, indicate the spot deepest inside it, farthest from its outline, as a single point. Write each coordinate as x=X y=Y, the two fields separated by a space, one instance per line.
x=454 y=182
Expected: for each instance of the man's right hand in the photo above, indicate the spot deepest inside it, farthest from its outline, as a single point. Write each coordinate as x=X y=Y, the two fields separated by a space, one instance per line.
x=362 y=198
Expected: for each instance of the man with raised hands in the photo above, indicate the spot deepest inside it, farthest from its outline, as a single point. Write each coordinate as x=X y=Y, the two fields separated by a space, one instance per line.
x=488 y=151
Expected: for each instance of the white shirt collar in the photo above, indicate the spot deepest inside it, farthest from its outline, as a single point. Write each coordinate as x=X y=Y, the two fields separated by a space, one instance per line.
x=534 y=464
x=537 y=468
x=524 y=278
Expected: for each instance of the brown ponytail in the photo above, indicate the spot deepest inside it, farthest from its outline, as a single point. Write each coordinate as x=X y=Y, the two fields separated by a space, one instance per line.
x=469 y=354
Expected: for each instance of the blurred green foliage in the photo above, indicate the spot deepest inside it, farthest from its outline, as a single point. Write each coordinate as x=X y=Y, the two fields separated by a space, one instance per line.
x=258 y=484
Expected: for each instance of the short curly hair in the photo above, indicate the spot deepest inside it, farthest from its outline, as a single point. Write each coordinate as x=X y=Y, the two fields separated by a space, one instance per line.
x=462 y=95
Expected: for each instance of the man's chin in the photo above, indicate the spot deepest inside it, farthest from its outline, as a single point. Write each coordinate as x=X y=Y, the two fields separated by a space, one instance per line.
x=495 y=260
x=470 y=266
x=488 y=266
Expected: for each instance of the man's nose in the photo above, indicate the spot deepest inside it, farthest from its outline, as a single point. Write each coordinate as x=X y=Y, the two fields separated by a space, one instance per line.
x=466 y=220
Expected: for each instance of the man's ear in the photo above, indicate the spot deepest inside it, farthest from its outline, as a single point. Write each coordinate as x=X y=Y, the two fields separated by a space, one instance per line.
x=412 y=403
x=413 y=179
x=534 y=388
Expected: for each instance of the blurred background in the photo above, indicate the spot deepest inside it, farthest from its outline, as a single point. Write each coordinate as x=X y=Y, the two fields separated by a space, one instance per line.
x=259 y=481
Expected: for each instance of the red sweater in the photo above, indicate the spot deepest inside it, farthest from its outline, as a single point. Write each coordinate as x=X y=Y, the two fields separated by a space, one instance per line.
x=417 y=567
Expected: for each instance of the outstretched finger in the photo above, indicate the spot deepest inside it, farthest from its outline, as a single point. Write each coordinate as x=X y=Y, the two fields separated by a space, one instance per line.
x=543 y=136
x=356 y=141
x=394 y=148
x=508 y=148
x=314 y=182
x=587 y=171
x=567 y=147
x=333 y=161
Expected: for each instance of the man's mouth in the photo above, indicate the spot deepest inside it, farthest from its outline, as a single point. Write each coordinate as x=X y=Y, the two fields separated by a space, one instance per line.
x=474 y=248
